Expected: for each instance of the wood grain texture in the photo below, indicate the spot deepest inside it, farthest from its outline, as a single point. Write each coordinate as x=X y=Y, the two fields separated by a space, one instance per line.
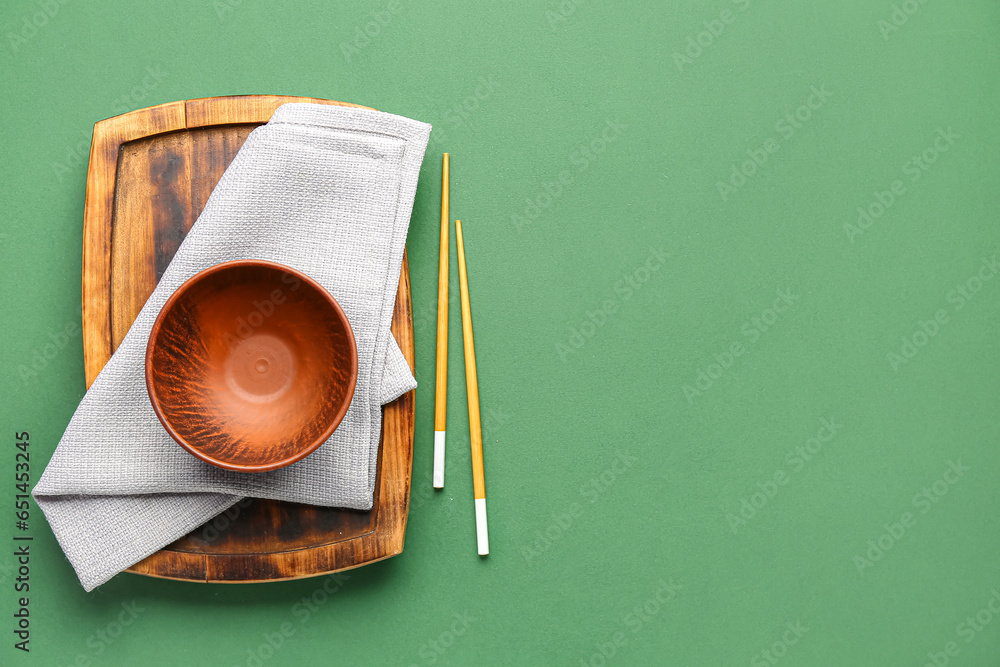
x=151 y=172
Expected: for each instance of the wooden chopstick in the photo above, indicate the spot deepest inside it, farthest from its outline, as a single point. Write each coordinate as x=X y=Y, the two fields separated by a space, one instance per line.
x=441 y=386
x=472 y=390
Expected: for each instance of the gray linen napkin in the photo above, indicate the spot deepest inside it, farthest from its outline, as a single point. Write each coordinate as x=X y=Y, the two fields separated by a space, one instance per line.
x=322 y=189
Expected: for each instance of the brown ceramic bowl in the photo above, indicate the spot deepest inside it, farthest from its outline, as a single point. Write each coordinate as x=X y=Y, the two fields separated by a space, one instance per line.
x=251 y=365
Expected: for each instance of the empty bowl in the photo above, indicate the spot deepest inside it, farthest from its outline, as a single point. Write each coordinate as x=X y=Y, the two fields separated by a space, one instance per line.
x=251 y=365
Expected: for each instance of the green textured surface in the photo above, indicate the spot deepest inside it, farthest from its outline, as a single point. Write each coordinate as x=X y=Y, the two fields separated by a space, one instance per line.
x=596 y=444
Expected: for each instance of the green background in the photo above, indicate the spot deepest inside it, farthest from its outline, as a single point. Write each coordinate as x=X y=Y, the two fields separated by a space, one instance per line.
x=603 y=478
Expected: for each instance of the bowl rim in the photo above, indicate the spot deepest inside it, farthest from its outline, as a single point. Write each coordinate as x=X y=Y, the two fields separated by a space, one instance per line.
x=168 y=305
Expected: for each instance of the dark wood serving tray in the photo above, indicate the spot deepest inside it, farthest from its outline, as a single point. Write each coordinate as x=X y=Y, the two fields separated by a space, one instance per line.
x=151 y=172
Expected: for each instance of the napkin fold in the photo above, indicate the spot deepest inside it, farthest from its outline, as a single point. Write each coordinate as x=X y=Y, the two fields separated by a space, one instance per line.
x=325 y=190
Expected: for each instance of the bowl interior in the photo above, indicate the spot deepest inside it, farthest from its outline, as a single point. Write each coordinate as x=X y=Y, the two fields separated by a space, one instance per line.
x=251 y=365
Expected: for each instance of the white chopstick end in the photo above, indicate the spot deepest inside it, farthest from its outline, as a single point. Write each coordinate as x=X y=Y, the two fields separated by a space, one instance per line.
x=482 y=534
x=438 y=459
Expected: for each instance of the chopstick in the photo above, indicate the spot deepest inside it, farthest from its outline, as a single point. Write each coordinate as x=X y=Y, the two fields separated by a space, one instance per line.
x=441 y=387
x=472 y=390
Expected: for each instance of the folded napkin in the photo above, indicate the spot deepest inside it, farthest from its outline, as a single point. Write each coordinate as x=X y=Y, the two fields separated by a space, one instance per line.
x=325 y=190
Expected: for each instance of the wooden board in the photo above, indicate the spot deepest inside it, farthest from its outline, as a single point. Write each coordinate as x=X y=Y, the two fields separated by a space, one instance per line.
x=151 y=172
